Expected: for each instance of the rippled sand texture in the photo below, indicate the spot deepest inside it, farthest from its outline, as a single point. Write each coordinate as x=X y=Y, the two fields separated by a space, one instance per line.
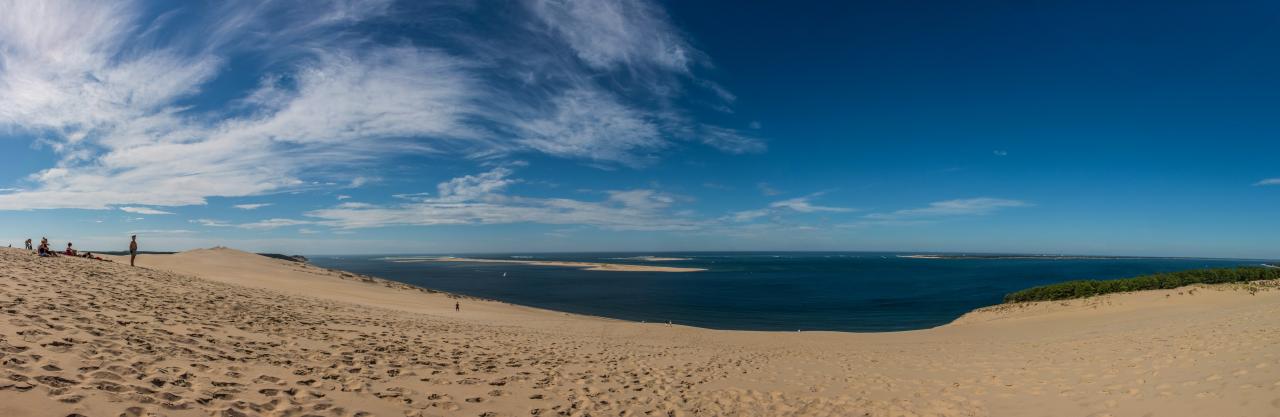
x=231 y=334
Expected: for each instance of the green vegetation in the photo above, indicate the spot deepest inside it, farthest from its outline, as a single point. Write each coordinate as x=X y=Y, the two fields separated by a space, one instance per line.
x=1089 y=288
x=291 y=258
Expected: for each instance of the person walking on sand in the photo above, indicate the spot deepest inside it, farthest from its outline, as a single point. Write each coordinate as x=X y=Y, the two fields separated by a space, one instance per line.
x=133 y=249
x=457 y=306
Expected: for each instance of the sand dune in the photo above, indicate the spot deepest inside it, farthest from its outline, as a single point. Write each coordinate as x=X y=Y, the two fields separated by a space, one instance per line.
x=226 y=333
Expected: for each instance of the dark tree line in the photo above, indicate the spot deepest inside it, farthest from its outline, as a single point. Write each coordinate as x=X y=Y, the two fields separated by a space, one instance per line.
x=1089 y=288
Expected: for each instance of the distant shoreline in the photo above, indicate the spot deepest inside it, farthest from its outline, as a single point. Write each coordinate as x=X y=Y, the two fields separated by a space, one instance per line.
x=1045 y=257
x=587 y=266
x=652 y=259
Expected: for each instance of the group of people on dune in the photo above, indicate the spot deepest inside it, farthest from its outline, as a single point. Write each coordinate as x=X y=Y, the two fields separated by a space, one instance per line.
x=45 y=252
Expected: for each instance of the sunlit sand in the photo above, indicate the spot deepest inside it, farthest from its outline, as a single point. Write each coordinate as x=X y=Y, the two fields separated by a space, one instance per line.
x=223 y=332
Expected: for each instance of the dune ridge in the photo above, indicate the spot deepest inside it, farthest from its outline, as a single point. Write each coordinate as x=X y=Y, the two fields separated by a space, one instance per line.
x=227 y=333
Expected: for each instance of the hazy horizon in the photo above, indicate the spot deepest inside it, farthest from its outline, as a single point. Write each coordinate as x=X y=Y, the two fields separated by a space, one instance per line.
x=381 y=126
x=690 y=252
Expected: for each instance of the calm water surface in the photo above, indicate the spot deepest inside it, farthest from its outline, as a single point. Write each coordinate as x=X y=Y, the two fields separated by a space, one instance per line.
x=762 y=291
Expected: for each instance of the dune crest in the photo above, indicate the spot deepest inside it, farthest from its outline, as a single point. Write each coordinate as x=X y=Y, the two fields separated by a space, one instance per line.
x=227 y=333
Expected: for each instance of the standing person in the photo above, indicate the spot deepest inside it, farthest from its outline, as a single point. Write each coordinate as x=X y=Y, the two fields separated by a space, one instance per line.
x=133 y=249
x=28 y=244
x=457 y=306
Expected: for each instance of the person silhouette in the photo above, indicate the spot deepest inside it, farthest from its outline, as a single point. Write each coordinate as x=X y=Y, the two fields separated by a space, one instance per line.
x=133 y=249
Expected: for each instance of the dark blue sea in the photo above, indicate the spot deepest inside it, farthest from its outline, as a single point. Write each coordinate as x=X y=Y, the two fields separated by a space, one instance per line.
x=762 y=291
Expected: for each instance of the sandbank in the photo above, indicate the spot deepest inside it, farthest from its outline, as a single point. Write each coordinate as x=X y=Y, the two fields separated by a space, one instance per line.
x=588 y=266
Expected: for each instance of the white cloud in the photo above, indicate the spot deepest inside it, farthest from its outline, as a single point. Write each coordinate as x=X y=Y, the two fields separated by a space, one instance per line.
x=588 y=123
x=777 y=208
x=343 y=197
x=749 y=215
x=143 y=210
x=114 y=93
x=210 y=223
x=479 y=199
x=474 y=187
x=867 y=223
x=412 y=196
x=69 y=68
x=999 y=152
x=72 y=71
x=253 y=206
x=273 y=224
x=352 y=99
x=611 y=34
x=802 y=205
x=1269 y=181
x=161 y=232
x=267 y=224
x=642 y=199
x=960 y=207
x=730 y=140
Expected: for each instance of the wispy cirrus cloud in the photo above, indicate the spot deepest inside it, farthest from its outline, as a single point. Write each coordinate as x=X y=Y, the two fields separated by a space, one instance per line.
x=273 y=224
x=1268 y=181
x=482 y=199
x=804 y=205
x=114 y=110
x=252 y=206
x=580 y=122
x=729 y=140
x=161 y=232
x=792 y=205
x=959 y=207
x=119 y=95
x=210 y=222
x=267 y=224
x=749 y=215
x=143 y=210
x=614 y=34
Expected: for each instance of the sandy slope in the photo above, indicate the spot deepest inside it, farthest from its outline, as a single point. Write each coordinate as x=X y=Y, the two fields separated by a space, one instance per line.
x=229 y=333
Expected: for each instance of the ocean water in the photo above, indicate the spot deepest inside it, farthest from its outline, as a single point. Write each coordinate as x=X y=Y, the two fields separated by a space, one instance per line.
x=762 y=291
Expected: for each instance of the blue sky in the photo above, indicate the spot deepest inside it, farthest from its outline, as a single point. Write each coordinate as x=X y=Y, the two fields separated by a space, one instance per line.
x=375 y=126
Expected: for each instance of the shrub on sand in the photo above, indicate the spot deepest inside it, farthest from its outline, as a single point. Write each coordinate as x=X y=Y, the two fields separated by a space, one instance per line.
x=1089 y=288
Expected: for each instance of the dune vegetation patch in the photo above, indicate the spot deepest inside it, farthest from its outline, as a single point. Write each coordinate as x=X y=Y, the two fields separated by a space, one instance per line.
x=1088 y=288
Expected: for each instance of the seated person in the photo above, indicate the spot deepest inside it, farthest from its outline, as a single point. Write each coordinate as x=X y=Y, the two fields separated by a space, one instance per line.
x=69 y=251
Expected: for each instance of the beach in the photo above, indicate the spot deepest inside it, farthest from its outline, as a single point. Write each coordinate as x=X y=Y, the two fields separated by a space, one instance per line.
x=228 y=333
